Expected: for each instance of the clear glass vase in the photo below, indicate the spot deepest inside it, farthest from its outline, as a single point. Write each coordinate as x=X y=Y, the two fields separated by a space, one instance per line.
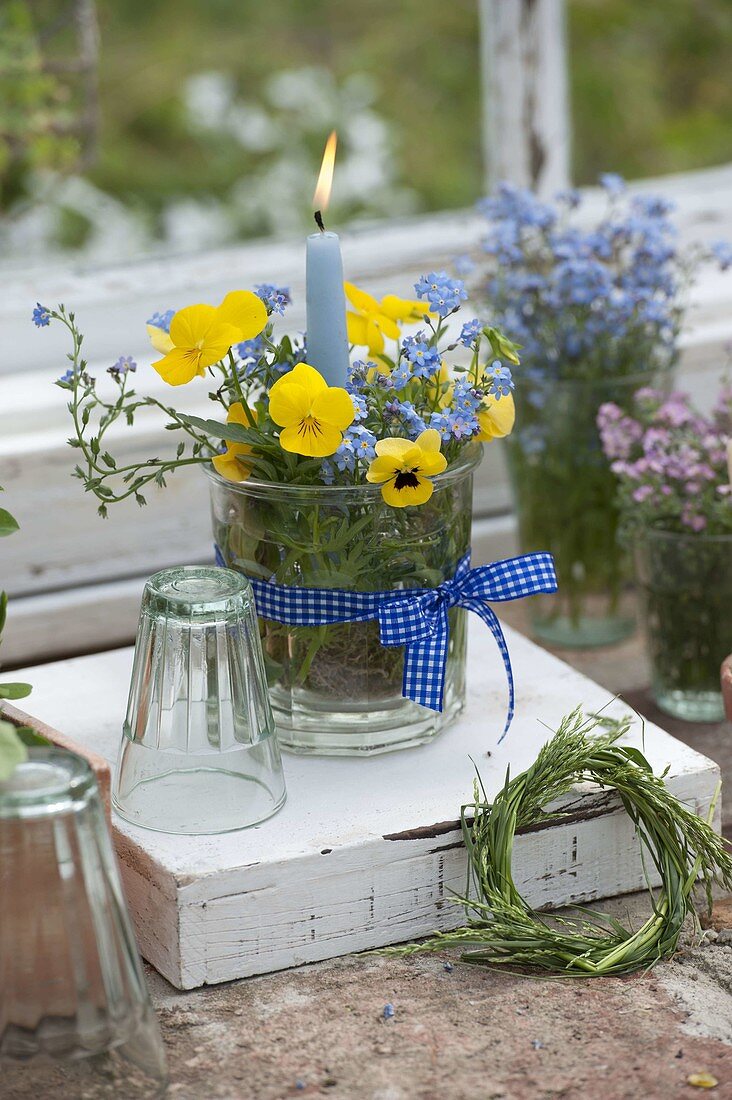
x=335 y=689
x=685 y=583
x=199 y=752
x=564 y=493
x=75 y=1015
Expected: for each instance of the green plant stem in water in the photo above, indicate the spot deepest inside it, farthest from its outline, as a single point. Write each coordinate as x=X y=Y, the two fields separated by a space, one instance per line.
x=503 y=930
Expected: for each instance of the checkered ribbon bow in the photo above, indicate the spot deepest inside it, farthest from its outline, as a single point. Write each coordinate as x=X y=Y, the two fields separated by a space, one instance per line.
x=416 y=618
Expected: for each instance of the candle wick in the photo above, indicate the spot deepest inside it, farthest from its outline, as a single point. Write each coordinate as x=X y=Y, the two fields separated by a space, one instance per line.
x=319 y=221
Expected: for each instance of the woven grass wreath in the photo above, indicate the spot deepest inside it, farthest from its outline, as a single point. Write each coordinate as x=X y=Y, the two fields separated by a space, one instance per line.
x=502 y=929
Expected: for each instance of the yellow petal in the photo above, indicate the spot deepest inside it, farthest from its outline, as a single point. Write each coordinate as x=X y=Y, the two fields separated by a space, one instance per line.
x=179 y=366
x=160 y=339
x=245 y=311
x=429 y=440
x=217 y=342
x=316 y=440
x=374 y=338
x=395 y=448
x=334 y=406
x=357 y=328
x=409 y=494
x=702 y=1081
x=360 y=299
x=387 y=326
x=237 y=414
x=288 y=404
x=496 y=420
x=382 y=468
x=189 y=326
x=229 y=466
x=431 y=463
x=403 y=309
x=306 y=376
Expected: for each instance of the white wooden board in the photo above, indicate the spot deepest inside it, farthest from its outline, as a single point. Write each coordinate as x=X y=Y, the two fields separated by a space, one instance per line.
x=366 y=852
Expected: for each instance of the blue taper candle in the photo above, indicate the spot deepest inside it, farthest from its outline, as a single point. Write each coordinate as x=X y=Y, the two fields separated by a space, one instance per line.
x=327 y=338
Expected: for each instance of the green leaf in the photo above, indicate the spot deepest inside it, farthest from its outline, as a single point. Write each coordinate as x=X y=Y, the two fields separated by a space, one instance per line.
x=15 y=691
x=8 y=524
x=236 y=432
x=211 y=427
x=31 y=738
x=12 y=750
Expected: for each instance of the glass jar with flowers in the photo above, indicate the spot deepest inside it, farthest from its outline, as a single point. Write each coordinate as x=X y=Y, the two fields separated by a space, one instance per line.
x=593 y=290
x=336 y=501
x=675 y=501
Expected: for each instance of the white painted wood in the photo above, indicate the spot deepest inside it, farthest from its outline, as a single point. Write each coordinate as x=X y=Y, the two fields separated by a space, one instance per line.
x=365 y=852
x=526 y=124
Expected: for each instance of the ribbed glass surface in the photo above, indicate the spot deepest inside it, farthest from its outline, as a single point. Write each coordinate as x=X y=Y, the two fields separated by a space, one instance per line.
x=74 y=1009
x=199 y=753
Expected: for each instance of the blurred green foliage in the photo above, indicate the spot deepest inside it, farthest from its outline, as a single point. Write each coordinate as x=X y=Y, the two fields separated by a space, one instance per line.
x=34 y=106
x=650 y=88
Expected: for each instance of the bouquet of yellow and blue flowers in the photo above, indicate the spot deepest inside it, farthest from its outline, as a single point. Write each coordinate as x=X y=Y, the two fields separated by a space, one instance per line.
x=280 y=421
x=360 y=488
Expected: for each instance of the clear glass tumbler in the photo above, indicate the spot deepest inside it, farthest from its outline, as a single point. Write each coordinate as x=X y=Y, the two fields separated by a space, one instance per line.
x=75 y=1015
x=199 y=752
x=685 y=585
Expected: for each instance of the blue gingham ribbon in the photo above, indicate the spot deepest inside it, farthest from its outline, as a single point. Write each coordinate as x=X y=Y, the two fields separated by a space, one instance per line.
x=416 y=618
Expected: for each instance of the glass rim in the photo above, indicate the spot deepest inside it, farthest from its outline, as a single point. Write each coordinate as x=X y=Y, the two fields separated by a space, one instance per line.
x=50 y=781
x=162 y=586
x=470 y=458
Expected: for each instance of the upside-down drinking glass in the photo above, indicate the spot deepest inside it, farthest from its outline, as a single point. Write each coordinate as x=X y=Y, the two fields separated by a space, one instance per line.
x=199 y=752
x=75 y=1015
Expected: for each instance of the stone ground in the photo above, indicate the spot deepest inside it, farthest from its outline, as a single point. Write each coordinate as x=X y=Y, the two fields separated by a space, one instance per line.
x=456 y=1034
x=466 y=1033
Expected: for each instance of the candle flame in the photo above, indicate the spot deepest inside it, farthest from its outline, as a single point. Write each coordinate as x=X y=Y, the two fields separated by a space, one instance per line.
x=321 y=198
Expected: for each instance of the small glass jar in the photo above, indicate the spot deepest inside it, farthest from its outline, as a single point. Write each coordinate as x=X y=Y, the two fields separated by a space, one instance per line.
x=335 y=689
x=685 y=583
x=564 y=491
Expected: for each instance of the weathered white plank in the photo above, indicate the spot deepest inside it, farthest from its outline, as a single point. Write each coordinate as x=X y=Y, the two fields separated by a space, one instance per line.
x=365 y=852
x=526 y=124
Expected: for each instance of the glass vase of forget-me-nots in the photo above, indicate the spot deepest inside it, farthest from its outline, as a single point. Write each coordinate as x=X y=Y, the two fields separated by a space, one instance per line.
x=592 y=288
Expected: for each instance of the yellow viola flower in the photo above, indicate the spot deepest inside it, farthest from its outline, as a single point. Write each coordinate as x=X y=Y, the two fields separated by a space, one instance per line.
x=311 y=414
x=403 y=469
x=370 y=320
x=496 y=417
x=202 y=335
x=228 y=464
